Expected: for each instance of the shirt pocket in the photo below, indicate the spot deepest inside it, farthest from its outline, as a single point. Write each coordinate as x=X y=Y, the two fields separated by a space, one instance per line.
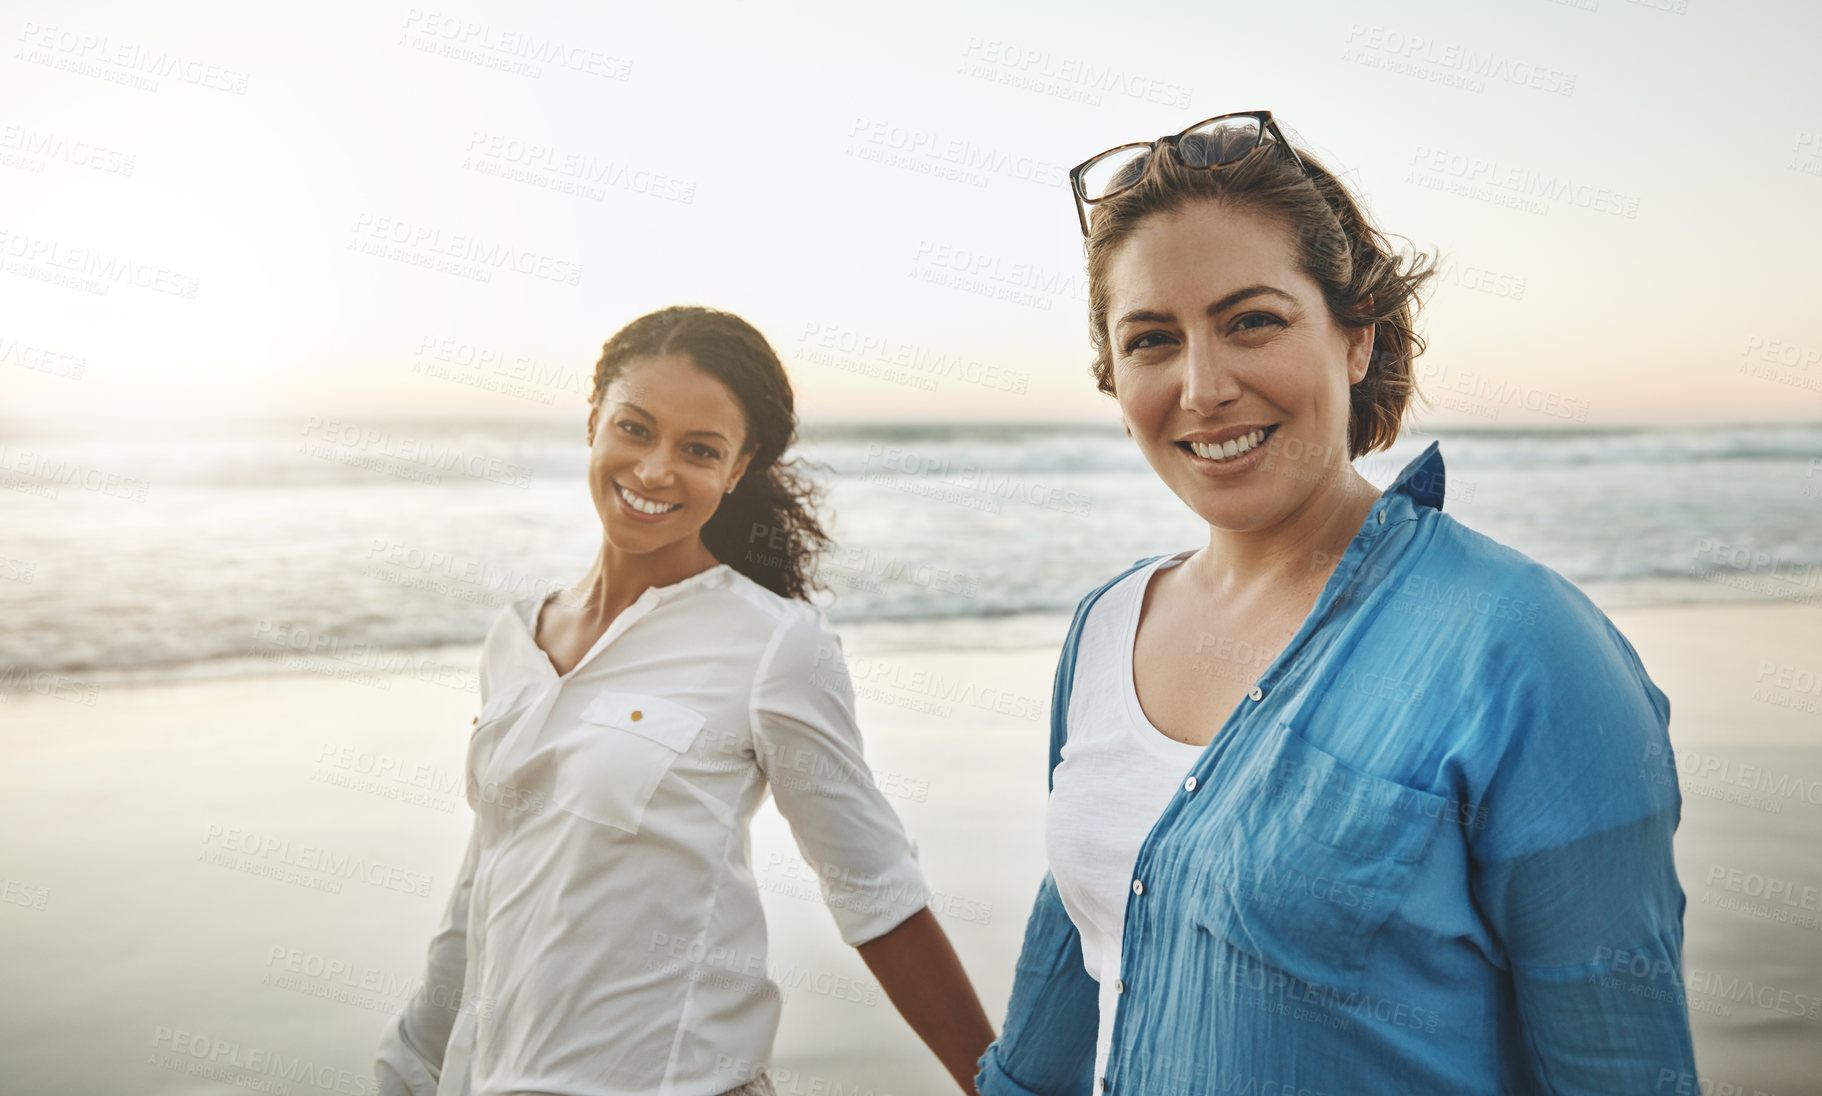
x=496 y=716
x=495 y=719
x=502 y=703
x=1324 y=853
x=626 y=742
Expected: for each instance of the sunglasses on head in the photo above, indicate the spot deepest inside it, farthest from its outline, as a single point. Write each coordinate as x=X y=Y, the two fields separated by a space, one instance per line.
x=1209 y=145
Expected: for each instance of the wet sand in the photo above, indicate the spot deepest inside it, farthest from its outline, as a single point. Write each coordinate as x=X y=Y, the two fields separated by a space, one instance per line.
x=134 y=923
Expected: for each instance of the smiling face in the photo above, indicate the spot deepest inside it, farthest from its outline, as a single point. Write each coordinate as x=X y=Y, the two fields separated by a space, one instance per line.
x=1228 y=366
x=665 y=441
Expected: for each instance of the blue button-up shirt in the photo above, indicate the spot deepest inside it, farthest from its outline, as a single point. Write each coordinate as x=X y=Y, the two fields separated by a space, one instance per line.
x=1429 y=853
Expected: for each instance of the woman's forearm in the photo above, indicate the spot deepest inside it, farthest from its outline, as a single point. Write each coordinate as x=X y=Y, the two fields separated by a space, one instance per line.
x=921 y=973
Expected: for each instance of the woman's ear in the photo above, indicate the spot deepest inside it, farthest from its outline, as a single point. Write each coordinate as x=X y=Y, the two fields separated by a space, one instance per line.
x=1360 y=346
x=740 y=468
x=1360 y=351
x=594 y=415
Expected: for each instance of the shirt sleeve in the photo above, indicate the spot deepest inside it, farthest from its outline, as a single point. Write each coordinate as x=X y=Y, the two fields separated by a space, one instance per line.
x=809 y=747
x=1046 y=1046
x=1574 y=870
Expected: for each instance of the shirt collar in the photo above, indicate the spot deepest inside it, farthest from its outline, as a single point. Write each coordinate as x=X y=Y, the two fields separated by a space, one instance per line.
x=714 y=577
x=1420 y=484
x=711 y=578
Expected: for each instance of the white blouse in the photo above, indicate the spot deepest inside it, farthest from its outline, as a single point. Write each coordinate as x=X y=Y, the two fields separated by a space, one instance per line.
x=605 y=935
x=1117 y=773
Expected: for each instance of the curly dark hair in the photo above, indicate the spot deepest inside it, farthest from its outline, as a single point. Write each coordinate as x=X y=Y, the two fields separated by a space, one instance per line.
x=767 y=528
x=1363 y=279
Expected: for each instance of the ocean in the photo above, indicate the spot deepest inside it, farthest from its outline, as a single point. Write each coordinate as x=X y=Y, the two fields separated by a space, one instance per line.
x=232 y=549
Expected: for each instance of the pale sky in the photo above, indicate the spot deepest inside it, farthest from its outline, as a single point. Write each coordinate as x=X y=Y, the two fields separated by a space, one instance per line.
x=225 y=172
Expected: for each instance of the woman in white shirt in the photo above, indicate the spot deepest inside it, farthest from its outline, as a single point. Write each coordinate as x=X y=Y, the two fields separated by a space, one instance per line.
x=605 y=934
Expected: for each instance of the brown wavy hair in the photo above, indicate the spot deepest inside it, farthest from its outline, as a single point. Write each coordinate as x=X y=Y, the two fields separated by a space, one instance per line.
x=767 y=528
x=1363 y=279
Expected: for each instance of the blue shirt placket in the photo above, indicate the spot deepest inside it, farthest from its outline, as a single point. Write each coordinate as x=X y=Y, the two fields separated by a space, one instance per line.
x=1257 y=708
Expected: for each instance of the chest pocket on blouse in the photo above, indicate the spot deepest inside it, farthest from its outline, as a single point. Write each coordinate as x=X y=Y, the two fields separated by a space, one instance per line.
x=496 y=717
x=1325 y=853
x=503 y=702
x=607 y=771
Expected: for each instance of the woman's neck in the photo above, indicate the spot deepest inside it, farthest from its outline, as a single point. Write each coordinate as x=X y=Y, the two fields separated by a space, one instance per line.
x=1300 y=550
x=617 y=578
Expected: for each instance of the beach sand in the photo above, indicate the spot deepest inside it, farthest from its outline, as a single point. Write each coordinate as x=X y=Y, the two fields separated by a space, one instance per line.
x=132 y=928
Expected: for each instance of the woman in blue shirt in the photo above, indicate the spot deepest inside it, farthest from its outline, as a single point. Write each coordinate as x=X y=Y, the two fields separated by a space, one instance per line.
x=1351 y=799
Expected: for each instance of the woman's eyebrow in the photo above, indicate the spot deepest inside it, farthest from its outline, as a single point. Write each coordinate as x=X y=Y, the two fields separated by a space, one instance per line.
x=1146 y=315
x=687 y=433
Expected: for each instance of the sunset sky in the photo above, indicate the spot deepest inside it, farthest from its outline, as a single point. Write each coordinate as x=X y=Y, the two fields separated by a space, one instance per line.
x=230 y=210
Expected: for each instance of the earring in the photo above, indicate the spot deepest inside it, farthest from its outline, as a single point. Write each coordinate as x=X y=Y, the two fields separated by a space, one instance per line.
x=731 y=487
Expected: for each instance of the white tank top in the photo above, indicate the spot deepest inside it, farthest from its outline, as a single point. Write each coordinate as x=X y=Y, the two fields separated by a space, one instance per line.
x=1117 y=773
